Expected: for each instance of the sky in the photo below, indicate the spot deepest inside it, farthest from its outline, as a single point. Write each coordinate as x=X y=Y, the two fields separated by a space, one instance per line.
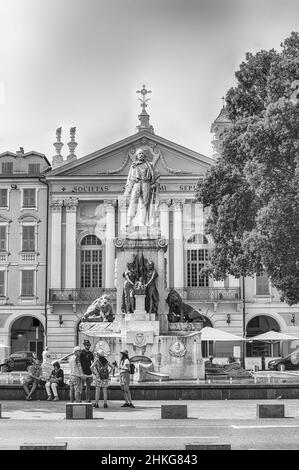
x=79 y=63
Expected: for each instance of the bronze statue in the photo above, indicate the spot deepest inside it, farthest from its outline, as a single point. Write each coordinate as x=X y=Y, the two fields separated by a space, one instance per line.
x=152 y=294
x=179 y=311
x=128 y=299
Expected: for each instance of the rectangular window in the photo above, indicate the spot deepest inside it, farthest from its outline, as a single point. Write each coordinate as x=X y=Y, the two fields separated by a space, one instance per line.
x=34 y=168
x=3 y=197
x=7 y=168
x=3 y=242
x=28 y=238
x=262 y=284
x=196 y=261
x=91 y=268
x=27 y=289
x=29 y=197
x=2 y=283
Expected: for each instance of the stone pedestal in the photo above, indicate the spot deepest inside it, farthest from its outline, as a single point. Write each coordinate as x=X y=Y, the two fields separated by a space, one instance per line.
x=79 y=411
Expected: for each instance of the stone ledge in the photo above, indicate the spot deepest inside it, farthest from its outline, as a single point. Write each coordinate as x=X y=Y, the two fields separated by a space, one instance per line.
x=197 y=446
x=44 y=446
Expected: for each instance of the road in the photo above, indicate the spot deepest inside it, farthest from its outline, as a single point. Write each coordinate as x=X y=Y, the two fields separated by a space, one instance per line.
x=209 y=422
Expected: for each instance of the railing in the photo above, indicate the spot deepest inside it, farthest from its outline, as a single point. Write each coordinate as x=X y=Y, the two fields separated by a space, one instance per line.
x=214 y=294
x=3 y=257
x=29 y=257
x=79 y=295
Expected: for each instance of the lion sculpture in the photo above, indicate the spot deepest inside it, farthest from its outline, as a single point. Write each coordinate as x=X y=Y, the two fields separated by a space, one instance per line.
x=179 y=311
x=101 y=308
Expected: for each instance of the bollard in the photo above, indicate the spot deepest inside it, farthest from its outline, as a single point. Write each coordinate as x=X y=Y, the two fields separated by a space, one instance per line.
x=174 y=411
x=0 y=411
x=79 y=411
x=44 y=446
x=197 y=446
x=270 y=411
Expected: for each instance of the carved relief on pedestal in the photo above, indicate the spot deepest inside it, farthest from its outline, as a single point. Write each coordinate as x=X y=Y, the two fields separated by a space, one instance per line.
x=177 y=349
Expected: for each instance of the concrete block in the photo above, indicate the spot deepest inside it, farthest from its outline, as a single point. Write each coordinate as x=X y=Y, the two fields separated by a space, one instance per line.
x=44 y=446
x=174 y=411
x=79 y=411
x=270 y=411
x=197 y=446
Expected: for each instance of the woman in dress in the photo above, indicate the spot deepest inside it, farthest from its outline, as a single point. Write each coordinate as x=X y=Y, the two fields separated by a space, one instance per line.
x=101 y=369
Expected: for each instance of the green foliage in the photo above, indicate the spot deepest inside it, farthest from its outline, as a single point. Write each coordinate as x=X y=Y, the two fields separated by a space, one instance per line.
x=253 y=189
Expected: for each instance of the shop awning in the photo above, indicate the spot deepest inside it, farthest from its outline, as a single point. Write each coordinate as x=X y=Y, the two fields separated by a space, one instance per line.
x=213 y=334
x=273 y=336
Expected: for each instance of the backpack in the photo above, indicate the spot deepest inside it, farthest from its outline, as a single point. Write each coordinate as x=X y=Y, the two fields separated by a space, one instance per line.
x=103 y=373
x=132 y=368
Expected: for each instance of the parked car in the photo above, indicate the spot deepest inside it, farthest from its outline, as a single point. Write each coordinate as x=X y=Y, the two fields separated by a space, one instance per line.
x=17 y=361
x=290 y=362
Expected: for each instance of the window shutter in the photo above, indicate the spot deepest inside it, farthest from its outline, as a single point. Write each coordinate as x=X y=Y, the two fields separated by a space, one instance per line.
x=2 y=238
x=29 y=197
x=28 y=243
x=2 y=283
x=27 y=283
x=3 y=197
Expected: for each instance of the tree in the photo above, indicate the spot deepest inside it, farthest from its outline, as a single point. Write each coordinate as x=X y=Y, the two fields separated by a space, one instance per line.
x=252 y=191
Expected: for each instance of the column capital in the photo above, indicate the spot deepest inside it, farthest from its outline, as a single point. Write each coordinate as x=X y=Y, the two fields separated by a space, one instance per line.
x=56 y=205
x=109 y=205
x=178 y=204
x=164 y=204
x=71 y=204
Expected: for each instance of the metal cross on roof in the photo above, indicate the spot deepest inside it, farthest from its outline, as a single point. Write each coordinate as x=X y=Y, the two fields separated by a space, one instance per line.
x=143 y=100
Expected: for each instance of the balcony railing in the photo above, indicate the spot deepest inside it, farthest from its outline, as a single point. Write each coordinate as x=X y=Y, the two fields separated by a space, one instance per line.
x=79 y=295
x=213 y=294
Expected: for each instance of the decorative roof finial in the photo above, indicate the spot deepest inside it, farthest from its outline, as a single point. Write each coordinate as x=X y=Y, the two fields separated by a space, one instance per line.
x=58 y=158
x=72 y=145
x=144 y=116
x=223 y=101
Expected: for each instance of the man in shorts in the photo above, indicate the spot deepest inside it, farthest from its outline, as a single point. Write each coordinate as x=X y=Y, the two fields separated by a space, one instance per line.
x=86 y=358
x=33 y=378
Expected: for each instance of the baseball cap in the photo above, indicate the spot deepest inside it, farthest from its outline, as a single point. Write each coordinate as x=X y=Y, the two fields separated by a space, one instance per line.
x=76 y=348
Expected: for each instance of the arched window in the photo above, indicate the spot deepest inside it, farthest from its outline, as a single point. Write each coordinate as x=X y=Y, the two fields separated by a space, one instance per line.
x=197 y=252
x=91 y=262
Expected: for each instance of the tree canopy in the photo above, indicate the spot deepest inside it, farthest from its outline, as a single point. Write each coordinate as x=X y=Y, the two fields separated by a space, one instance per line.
x=252 y=191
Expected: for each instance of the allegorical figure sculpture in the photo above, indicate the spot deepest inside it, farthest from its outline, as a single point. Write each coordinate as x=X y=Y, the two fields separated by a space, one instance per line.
x=128 y=299
x=141 y=187
x=152 y=294
x=101 y=308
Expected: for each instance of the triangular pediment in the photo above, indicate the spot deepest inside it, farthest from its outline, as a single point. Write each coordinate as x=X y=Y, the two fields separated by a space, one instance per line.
x=115 y=160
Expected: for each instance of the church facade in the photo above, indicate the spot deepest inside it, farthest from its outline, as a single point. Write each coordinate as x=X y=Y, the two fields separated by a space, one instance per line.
x=87 y=212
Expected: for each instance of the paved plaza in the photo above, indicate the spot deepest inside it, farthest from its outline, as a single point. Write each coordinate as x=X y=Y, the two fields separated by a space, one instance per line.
x=209 y=422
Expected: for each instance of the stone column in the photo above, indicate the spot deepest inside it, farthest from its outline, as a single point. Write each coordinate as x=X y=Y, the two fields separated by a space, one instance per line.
x=178 y=244
x=122 y=204
x=110 y=250
x=55 y=280
x=164 y=227
x=70 y=246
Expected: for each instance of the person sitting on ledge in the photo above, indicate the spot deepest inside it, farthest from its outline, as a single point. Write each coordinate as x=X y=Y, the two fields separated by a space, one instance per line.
x=56 y=380
x=33 y=378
